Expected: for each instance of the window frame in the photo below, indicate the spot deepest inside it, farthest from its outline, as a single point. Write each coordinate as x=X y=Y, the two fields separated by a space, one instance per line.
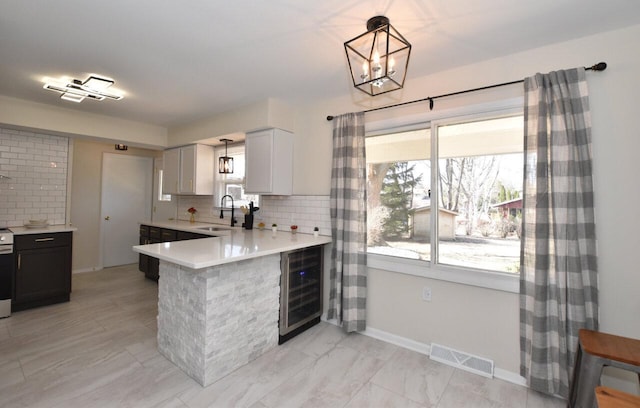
x=222 y=179
x=502 y=281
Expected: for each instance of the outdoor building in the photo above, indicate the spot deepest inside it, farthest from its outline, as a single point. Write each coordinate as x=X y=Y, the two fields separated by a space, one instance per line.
x=422 y=223
x=509 y=208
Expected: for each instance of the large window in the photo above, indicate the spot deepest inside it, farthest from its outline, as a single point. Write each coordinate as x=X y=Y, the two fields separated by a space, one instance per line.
x=233 y=184
x=470 y=201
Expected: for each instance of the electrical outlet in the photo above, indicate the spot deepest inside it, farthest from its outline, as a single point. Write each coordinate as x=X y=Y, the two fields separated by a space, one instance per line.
x=426 y=294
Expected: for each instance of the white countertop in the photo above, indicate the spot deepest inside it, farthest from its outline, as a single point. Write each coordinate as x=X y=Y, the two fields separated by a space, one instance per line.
x=192 y=226
x=238 y=245
x=45 y=230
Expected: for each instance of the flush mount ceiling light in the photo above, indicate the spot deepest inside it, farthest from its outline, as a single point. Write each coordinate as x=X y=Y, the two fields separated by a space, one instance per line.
x=378 y=59
x=74 y=90
x=225 y=163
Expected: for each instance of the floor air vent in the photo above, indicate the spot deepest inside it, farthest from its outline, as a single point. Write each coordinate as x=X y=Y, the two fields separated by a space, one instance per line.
x=462 y=360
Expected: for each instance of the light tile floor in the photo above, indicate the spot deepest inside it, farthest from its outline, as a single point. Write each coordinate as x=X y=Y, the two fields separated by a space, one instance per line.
x=99 y=350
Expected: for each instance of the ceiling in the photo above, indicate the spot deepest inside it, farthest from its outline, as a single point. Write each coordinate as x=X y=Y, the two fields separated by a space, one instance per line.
x=178 y=61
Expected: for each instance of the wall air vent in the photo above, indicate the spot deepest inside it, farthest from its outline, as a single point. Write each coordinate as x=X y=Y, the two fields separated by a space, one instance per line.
x=462 y=360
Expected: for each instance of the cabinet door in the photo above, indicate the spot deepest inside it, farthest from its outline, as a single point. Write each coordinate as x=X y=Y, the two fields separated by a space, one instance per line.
x=188 y=169
x=153 y=267
x=184 y=236
x=171 y=171
x=143 y=260
x=169 y=235
x=259 y=162
x=196 y=169
x=43 y=274
x=269 y=162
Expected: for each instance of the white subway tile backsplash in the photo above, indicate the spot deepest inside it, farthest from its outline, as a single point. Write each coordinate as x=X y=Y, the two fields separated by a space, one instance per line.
x=37 y=165
x=306 y=212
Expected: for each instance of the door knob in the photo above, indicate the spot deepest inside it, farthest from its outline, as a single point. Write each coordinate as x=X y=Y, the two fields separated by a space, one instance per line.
x=107 y=218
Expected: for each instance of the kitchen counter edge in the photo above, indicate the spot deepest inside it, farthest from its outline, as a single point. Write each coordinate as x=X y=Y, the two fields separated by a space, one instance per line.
x=47 y=230
x=239 y=245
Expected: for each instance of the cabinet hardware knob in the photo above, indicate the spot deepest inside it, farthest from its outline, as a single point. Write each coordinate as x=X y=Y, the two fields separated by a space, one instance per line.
x=44 y=239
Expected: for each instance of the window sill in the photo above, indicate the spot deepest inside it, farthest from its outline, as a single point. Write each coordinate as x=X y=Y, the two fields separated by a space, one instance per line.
x=505 y=282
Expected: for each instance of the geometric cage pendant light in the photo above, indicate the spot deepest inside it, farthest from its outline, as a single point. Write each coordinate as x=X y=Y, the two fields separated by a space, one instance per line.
x=378 y=59
x=225 y=163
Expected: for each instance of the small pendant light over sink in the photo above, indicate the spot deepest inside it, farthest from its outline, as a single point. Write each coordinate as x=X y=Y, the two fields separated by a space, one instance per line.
x=225 y=164
x=378 y=59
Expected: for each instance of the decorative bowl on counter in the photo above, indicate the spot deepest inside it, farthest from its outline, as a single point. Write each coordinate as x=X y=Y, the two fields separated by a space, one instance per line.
x=37 y=224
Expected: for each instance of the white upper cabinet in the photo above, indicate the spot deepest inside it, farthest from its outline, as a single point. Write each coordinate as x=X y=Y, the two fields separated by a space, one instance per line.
x=171 y=171
x=189 y=170
x=269 y=162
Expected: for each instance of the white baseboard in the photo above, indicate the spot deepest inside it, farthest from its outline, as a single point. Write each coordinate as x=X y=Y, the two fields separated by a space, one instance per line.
x=84 y=270
x=422 y=348
x=509 y=376
x=403 y=342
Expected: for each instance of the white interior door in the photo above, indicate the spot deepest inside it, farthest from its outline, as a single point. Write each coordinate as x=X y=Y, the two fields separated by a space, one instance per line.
x=165 y=206
x=127 y=183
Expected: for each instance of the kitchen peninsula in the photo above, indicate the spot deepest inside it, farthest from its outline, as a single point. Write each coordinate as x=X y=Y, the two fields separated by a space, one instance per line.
x=218 y=298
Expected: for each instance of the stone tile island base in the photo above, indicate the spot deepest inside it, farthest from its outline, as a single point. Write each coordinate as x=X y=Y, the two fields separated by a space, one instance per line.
x=213 y=320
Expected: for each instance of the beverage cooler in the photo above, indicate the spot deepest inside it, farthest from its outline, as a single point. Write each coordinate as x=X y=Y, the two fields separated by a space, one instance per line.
x=300 y=291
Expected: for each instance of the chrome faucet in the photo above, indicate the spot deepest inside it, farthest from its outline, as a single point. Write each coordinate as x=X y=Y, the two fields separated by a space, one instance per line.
x=233 y=220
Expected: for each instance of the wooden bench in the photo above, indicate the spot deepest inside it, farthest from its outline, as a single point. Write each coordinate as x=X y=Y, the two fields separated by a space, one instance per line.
x=611 y=398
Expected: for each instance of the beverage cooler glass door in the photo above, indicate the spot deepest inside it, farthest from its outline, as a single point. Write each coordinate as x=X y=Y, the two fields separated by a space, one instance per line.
x=301 y=288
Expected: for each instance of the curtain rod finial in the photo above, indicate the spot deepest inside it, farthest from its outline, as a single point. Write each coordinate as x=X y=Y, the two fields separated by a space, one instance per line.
x=600 y=66
x=329 y=118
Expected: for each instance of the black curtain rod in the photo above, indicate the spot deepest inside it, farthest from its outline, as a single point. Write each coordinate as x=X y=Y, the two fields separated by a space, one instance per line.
x=601 y=66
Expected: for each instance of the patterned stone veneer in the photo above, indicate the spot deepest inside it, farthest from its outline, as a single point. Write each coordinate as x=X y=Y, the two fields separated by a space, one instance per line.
x=37 y=165
x=212 y=321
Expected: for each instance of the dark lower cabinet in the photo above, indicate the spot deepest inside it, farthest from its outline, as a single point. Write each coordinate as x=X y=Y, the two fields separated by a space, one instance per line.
x=43 y=270
x=147 y=264
x=184 y=236
x=153 y=235
x=143 y=260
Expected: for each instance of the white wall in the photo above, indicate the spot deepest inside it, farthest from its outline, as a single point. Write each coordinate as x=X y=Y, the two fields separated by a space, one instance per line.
x=269 y=113
x=68 y=122
x=86 y=193
x=482 y=321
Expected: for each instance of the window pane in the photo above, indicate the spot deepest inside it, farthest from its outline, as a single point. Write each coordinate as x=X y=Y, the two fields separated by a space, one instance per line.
x=480 y=189
x=398 y=194
x=162 y=197
x=239 y=196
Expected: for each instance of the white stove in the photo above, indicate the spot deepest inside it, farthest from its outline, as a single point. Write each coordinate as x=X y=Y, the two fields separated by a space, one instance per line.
x=6 y=238
x=7 y=266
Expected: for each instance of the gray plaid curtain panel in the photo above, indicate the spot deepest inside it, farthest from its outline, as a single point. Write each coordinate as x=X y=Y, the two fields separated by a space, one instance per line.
x=348 y=208
x=558 y=274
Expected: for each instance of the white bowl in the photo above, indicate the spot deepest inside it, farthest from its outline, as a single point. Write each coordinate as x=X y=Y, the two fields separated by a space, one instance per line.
x=38 y=222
